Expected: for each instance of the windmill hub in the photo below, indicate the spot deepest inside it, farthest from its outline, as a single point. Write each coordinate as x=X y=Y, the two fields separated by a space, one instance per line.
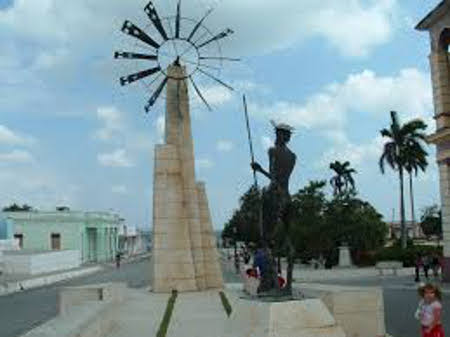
x=178 y=52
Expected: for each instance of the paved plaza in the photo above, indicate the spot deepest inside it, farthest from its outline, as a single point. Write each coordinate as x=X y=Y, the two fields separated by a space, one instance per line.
x=18 y=312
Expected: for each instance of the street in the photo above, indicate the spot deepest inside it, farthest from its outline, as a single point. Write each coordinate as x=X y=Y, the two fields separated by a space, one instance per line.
x=400 y=303
x=21 y=312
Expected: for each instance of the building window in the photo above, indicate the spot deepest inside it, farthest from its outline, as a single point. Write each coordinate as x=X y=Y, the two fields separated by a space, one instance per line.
x=56 y=241
x=20 y=238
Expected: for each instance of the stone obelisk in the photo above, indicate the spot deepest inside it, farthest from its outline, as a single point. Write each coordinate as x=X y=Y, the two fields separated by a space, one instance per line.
x=184 y=254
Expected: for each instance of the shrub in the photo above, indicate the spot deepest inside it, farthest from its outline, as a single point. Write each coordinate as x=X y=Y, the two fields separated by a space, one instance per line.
x=408 y=255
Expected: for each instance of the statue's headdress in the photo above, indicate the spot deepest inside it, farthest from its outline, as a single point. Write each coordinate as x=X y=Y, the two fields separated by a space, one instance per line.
x=282 y=126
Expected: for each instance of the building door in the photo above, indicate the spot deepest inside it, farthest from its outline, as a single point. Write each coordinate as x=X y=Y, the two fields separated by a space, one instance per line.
x=56 y=241
x=20 y=238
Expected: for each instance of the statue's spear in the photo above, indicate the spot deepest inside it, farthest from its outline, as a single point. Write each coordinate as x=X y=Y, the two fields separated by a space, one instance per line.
x=249 y=133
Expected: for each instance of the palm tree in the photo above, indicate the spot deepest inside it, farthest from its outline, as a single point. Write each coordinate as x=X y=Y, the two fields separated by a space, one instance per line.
x=415 y=159
x=343 y=180
x=402 y=139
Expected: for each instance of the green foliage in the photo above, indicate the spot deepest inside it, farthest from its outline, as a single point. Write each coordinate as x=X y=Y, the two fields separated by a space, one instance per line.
x=162 y=331
x=431 y=221
x=245 y=219
x=226 y=304
x=17 y=208
x=408 y=255
x=310 y=236
x=342 y=181
x=404 y=151
x=355 y=222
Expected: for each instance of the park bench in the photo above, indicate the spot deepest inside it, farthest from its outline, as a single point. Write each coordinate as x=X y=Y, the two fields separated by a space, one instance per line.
x=393 y=265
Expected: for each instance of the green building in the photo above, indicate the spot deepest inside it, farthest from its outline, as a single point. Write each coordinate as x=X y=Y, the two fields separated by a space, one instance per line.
x=94 y=234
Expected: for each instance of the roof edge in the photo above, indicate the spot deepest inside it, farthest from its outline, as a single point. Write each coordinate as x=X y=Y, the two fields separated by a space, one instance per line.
x=428 y=20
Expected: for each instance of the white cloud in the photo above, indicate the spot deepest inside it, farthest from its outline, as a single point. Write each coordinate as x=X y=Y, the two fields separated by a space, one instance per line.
x=353 y=27
x=409 y=93
x=356 y=154
x=224 y=145
x=9 y=137
x=204 y=163
x=119 y=189
x=116 y=130
x=113 y=124
x=16 y=156
x=216 y=95
x=117 y=158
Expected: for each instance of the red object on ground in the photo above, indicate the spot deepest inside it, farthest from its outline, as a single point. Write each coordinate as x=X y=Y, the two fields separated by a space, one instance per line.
x=437 y=331
x=281 y=282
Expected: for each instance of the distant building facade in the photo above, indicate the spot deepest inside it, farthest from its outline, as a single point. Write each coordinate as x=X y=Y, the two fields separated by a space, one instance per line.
x=94 y=234
x=414 y=230
x=132 y=241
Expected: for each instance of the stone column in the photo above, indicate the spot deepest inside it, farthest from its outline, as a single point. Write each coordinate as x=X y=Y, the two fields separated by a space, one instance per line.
x=444 y=182
x=172 y=259
x=180 y=211
x=439 y=62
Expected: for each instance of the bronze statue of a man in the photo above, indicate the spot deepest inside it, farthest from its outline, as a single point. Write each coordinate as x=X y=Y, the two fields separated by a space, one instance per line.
x=275 y=198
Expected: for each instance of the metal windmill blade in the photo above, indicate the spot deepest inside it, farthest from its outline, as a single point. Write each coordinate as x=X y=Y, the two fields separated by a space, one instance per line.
x=174 y=47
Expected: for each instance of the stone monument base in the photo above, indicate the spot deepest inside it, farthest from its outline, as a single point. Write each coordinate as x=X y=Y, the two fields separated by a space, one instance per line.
x=345 y=260
x=111 y=310
x=303 y=318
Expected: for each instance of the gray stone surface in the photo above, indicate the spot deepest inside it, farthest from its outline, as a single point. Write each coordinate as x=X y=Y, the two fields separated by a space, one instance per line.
x=184 y=255
x=345 y=260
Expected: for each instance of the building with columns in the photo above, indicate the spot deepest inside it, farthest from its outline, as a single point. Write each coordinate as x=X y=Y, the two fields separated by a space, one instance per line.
x=94 y=234
x=437 y=23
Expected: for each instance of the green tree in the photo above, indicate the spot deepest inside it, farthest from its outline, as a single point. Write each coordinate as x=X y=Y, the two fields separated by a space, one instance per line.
x=401 y=137
x=415 y=159
x=342 y=181
x=310 y=239
x=431 y=221
x=17 y=208
x=246 y=218
x=356 y=222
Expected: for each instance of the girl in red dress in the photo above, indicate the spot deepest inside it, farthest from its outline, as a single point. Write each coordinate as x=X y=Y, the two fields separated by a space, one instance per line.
x=429 y=311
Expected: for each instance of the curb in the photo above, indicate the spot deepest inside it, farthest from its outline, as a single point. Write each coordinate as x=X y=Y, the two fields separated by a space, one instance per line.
x=13 y=287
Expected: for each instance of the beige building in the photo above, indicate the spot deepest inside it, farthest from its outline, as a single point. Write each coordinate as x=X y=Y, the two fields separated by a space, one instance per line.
x=437 y=23
x=413 y=230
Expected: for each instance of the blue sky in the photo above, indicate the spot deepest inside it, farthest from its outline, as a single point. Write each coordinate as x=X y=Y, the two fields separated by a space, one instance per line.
x=69 y=134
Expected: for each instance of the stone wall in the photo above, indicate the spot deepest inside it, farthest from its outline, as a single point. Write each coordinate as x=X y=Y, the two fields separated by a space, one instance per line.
x=29 y=263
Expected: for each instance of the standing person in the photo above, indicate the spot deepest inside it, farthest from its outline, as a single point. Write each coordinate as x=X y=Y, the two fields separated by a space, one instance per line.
x=435 y=265
x=426 y=265
x=418 y=265
x=429 y=311
x=118 y=256
x=260 y=261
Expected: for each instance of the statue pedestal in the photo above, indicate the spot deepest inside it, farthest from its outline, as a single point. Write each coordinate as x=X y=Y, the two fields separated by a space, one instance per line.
x=303 y=318
x=345 y=260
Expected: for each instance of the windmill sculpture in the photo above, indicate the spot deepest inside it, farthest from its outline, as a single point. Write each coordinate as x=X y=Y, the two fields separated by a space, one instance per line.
x=184 y=255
